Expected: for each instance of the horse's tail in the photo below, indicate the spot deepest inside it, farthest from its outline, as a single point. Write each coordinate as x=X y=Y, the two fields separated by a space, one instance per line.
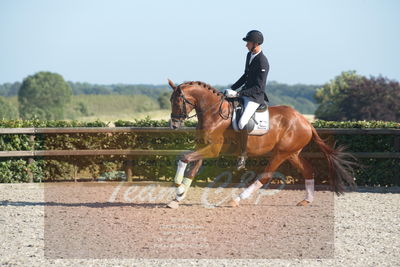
x=340 y=169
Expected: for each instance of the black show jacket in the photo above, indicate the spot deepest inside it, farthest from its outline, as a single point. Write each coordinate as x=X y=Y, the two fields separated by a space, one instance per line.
x=254 y=79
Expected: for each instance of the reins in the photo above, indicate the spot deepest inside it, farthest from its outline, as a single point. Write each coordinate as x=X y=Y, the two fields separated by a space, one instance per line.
x=186 y=101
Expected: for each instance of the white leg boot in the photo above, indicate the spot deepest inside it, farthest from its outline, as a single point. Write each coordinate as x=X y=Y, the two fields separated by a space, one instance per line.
x=180 y=183
x=309 y=197
x=246 y=193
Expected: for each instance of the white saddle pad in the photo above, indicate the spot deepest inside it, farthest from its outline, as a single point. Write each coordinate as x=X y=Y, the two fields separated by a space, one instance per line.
x=257 y=125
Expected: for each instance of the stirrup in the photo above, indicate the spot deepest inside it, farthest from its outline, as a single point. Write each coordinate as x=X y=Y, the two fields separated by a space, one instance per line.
x=241 y=163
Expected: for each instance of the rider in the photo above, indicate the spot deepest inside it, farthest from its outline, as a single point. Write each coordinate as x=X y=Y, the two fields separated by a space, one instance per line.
x=253 y=91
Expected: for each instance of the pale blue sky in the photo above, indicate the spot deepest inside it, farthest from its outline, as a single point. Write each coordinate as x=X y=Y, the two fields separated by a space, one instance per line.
x=149 y=41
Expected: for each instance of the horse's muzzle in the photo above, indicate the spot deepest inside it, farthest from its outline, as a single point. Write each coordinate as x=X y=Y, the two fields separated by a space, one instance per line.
x=175 y=124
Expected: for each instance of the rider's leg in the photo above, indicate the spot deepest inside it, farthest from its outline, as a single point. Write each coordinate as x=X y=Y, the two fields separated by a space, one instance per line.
x=249 y=109
x=243 y=150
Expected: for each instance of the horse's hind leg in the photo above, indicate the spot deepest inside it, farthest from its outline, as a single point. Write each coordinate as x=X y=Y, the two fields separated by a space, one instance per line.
x=274 y=164
x=307 y=172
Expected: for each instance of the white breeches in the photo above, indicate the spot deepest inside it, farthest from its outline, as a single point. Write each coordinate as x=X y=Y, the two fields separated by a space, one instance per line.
x=249 y=109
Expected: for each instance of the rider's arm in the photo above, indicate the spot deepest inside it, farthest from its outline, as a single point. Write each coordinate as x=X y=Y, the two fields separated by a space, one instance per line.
x=261 y=79
x=239 y=82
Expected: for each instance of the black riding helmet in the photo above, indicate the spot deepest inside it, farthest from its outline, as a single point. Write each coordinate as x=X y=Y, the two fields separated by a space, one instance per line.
x=254 y=36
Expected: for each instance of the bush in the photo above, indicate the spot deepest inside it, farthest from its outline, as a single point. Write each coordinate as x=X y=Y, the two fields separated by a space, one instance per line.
x=12 y=171
x=378 y=171
x=354 y=97
x=7 y=111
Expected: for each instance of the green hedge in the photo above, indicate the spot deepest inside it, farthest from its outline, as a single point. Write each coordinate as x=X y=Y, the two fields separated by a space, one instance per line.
x=356 y=124
x=382 y=172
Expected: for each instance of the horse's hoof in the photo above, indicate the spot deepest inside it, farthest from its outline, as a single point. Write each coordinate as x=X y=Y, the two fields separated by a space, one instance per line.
x=233 y=203
x=303 y=203
x=173 y=204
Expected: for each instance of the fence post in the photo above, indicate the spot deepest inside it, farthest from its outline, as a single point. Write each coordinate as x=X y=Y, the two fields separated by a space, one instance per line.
x=31 y=159
x=129 y=169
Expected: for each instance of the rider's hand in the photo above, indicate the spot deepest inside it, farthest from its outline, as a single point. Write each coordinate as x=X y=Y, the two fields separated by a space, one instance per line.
x=230 y=93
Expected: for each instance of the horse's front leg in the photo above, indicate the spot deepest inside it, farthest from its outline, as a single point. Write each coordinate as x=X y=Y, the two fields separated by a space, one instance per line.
x=183 y=179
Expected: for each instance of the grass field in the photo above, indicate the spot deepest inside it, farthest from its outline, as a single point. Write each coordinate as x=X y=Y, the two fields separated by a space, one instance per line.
x=110 y=108
x=112 y=105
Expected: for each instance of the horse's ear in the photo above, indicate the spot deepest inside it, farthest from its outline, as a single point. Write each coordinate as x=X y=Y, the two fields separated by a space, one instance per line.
x=171 y=84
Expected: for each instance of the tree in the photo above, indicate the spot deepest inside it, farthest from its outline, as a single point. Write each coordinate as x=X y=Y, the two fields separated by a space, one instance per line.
x=7 y=111
x=163 y=100
x=44 y=95
x=82 y=108
x=9 y=89
x=331 y=94
x=354 y=97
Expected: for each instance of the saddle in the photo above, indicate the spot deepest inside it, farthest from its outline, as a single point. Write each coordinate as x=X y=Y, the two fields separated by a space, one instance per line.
x=259 y=121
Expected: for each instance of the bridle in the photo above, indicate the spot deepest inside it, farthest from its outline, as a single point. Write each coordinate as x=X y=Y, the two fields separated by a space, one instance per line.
x=184 y=115
x=185 y=101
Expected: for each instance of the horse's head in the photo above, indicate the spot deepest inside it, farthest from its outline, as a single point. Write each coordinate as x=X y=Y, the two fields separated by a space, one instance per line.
x=181 y=106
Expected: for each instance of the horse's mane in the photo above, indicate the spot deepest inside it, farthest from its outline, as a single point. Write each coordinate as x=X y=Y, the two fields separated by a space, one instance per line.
x=202 y=84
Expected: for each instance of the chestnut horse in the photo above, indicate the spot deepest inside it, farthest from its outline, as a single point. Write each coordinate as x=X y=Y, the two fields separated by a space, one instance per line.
x=288 y=134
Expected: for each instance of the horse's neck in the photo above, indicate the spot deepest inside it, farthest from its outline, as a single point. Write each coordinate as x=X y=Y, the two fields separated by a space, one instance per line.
x=209 y=111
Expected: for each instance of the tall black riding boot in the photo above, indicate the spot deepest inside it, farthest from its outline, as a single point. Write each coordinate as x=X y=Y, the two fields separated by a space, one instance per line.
x=243 y=150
